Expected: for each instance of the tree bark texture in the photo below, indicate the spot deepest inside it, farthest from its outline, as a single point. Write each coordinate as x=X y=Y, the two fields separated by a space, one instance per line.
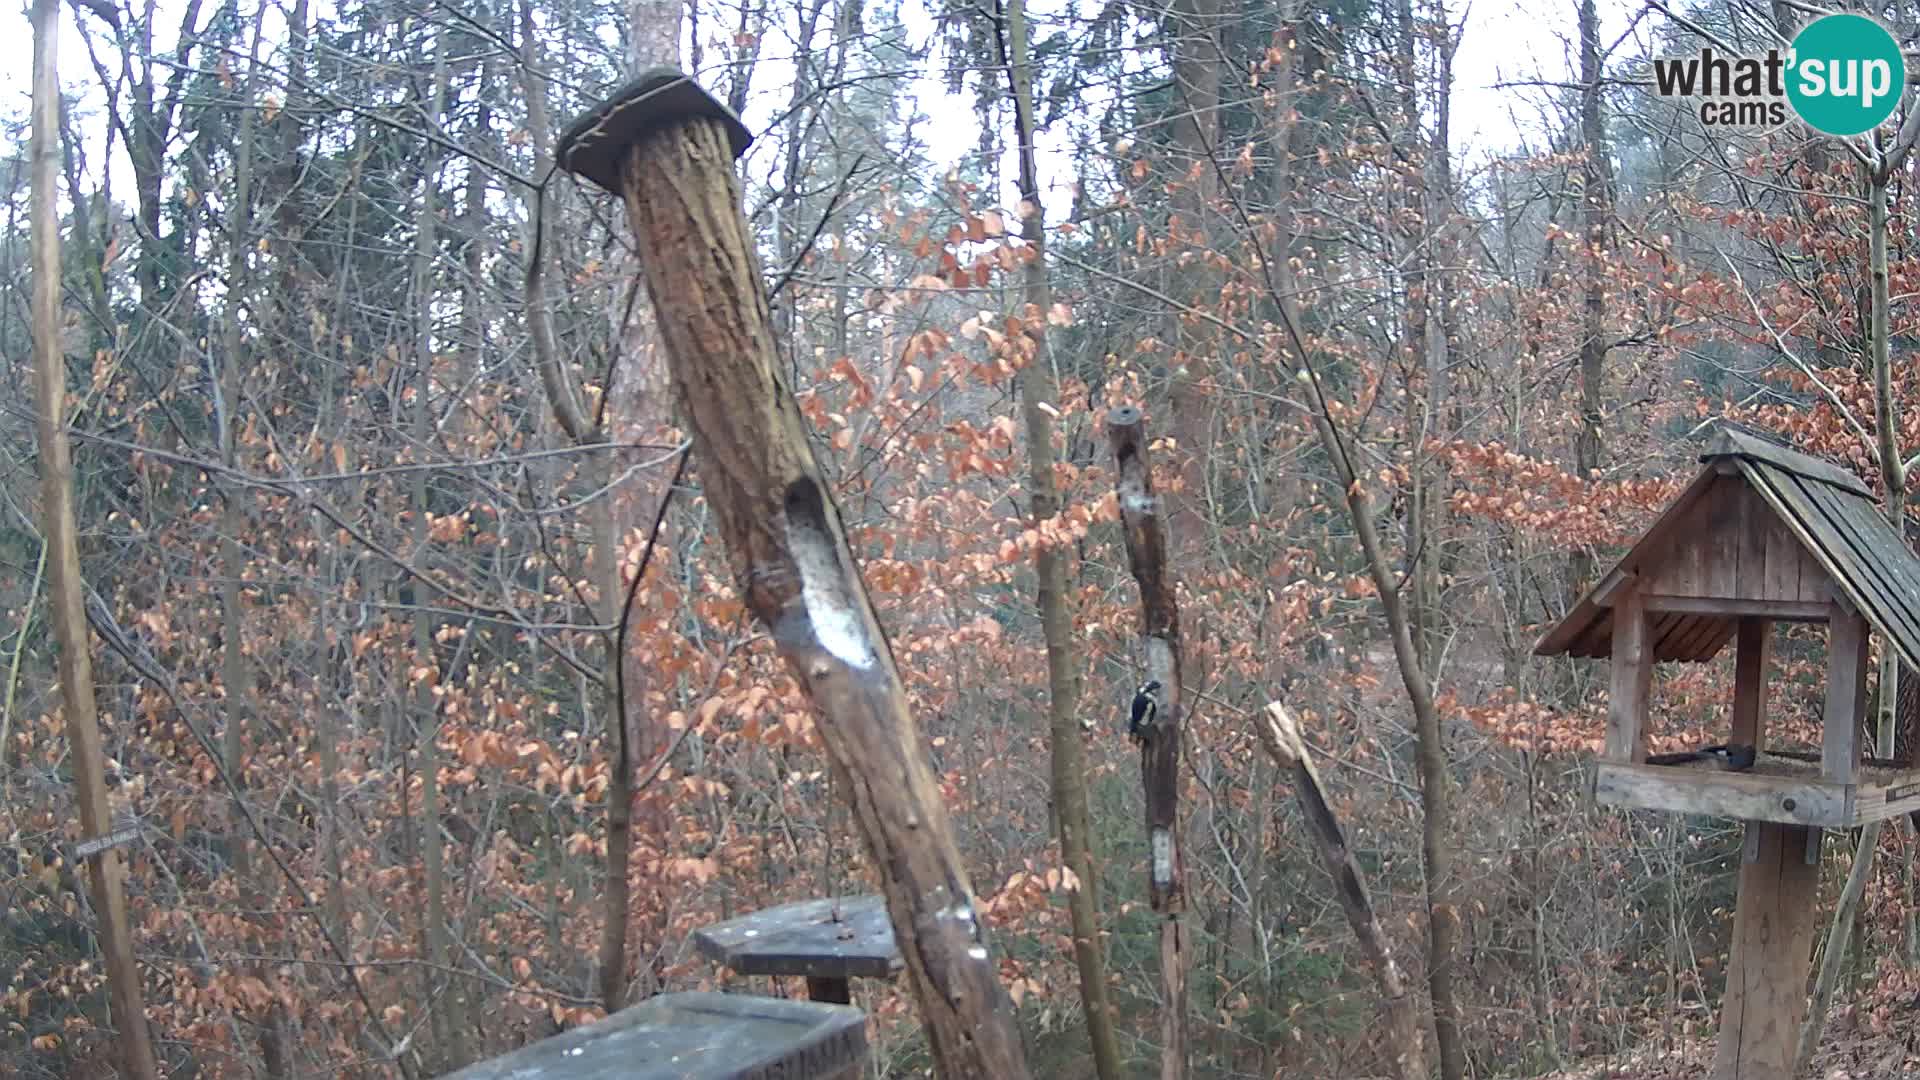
x=1141 y=524
x=795 y=571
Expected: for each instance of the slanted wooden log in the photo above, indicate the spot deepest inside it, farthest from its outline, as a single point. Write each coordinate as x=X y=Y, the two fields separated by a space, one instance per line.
x=829 y=942
x=674 y=146
x=697 y=1037
x=1281 y=736
x=1160 y=746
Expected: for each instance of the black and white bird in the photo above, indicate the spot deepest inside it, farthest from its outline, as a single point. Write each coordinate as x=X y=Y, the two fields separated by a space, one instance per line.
x=1146 y=705
x=1734 y=757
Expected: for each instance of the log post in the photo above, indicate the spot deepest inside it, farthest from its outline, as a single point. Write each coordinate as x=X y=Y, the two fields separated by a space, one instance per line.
x=1772 y=948
x=1160 y=746
x=667 y=147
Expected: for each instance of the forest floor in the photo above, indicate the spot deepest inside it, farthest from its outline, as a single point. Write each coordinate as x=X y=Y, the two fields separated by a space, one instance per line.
x=1845 y=1055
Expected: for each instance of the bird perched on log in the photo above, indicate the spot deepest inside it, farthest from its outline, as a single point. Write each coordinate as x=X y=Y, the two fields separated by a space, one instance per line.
x=1733 y=757
x=1146 y=707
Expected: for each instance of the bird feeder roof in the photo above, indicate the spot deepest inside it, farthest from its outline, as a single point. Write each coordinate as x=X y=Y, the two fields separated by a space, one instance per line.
x=1753 y=502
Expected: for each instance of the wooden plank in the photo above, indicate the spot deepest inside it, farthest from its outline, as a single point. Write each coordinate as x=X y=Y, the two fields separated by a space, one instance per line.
x=1896 y=572
x=1718 y=541
x=1752 y=520
x=843 y=938
x=1697 y=643
x=1896 y=796
x=1784 y=556
x=1632 y=681
x=1865 y=577
x=1732 y=442
x=1580 y=618
x=1664 y=632
x=1781 y=610
x=1716 y=793
x=1750 y=665
x=1772 y=948
x=1846 y=697
x=709 y=1036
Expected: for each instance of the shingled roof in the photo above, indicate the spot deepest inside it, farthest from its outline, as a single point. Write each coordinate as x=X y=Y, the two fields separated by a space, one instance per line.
x=1827 y=510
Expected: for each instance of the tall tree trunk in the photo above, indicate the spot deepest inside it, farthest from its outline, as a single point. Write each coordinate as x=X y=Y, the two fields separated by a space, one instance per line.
x=1194 y=26
x=1038 y=392
x=449 y=1029
x=105 y=872
x=1893 y=479
x=1595 y=211
x=638 y=409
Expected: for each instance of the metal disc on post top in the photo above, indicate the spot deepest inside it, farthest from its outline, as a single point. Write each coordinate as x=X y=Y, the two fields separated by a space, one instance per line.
x=595 y=145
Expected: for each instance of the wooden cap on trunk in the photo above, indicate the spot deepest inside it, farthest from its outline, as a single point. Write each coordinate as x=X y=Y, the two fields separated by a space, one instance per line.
x=596 y=144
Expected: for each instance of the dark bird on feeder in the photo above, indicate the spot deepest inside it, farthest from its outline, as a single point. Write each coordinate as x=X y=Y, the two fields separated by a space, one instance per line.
x=1146 y=705
x=1733 y=757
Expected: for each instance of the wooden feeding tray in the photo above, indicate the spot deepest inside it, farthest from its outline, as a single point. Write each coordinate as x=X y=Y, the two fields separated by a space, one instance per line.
x=827 y=941
x=697 y=1037
x=1778 y=788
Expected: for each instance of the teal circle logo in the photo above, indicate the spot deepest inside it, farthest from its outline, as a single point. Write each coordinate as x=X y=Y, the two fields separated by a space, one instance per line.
x=1847 y=74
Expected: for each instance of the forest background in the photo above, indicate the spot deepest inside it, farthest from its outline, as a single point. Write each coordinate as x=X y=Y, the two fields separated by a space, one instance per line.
x=362 y=504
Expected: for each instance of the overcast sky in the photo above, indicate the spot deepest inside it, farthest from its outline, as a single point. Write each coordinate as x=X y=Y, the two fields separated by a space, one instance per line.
x=1505 y=41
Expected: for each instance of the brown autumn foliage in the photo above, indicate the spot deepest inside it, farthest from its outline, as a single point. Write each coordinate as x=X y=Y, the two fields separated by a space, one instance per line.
x=1733 y=288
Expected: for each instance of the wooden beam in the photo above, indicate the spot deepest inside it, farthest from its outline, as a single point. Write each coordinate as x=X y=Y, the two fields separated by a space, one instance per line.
x=1766 y=997
x=1781 y=610
x=1753 y=650
x=1846 y=696
x=1618 y=578
x=1714 y=793
x=1632 y=681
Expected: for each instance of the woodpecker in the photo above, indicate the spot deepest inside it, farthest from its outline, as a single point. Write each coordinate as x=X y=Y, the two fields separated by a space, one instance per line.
x=1146 y=705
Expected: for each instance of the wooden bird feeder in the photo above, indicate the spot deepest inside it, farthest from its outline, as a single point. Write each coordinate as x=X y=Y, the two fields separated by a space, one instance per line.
x=703 y=1036
x=828 y=941
x=1763 y=534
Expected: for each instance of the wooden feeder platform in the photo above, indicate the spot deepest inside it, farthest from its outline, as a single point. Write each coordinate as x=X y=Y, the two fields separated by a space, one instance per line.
x=1784 y=790
x=697 y=1037
x=827 y=941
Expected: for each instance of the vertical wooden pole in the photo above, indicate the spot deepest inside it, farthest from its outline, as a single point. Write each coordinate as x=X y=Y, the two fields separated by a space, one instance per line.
x=1754 y=648
x=1766 y=997
x=105 y=872
x=1141 y=525
x=1846 y=696
x=1632 y=679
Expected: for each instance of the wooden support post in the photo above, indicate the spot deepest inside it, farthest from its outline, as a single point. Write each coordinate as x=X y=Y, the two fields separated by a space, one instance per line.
x=1846 y=696
x=667 y=147
x=1766 y=997
x=1142 y=526
x=1753 y=650
x=1632 y=680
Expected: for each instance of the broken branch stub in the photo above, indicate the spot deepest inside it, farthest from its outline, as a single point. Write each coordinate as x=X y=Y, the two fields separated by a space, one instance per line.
x=791 y=560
